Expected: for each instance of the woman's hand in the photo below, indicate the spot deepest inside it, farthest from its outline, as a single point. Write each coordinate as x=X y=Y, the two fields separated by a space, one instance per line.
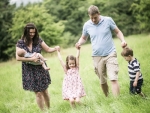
x=35 y=59
x=57 y=48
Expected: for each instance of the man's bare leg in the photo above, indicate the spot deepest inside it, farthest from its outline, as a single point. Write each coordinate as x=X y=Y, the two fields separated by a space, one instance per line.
x=105 y=89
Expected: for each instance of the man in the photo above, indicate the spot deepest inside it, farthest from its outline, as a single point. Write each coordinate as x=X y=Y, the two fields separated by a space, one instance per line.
x=99 y=28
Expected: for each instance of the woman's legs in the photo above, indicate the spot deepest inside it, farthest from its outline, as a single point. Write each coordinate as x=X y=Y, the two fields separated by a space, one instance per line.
x=40 y=100
x=43 y=98
x=46 y=98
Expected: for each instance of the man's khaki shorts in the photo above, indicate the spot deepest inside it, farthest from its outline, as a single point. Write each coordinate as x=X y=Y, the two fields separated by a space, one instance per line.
x=107 y=65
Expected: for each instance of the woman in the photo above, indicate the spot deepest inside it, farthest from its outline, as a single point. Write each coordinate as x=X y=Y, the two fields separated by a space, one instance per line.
x=34 y=77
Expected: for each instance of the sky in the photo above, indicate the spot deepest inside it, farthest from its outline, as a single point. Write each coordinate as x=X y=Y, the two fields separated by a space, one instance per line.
x=24 y=2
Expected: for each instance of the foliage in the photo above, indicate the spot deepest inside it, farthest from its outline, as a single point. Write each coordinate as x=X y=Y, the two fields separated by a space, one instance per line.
x=5 y=23
x=141 y=12
x=16 y=100
x=49 y=31
x=119 y=11
x=73 y=12
x=60 y=21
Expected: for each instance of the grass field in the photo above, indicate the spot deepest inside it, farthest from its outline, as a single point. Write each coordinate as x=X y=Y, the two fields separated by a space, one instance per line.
x=13 y=99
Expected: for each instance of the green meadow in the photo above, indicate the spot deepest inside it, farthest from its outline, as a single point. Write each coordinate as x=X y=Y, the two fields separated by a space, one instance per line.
x=13 y=99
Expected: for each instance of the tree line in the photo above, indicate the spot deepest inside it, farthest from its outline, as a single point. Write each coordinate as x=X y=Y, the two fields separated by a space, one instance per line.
x=60 y=21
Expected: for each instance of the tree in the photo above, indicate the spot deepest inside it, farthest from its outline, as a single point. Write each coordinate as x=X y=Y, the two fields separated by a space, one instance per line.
x=37 y=14
x=5 y=23
x=72 y=12
x=141 y=12
x=120 y=11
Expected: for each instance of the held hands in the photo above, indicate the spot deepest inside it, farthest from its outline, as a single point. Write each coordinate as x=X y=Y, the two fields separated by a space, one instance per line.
x=57 y=48
x=78 y=45
x=123 y=44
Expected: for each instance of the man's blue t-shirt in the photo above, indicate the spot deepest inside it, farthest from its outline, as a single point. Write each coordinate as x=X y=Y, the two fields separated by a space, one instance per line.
x=100 y=36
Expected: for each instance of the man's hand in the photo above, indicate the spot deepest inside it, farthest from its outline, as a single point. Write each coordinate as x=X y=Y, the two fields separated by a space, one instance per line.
x=123 y=44
x=78 y=45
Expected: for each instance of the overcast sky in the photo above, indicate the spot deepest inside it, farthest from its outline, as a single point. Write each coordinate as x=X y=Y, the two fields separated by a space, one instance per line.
x=18 y=2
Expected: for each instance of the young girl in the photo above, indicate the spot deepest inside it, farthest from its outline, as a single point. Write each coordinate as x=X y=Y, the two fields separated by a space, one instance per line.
x=73 y=89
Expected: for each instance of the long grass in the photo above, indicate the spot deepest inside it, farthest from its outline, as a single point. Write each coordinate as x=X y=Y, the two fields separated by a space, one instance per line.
x=13 y=99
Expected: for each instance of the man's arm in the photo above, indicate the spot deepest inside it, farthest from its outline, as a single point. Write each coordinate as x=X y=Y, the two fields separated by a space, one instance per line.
x=121 y=37
x=81 y=41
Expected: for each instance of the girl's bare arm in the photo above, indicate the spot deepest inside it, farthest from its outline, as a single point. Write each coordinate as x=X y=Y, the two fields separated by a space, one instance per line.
x=77 y=56
x=61 y=61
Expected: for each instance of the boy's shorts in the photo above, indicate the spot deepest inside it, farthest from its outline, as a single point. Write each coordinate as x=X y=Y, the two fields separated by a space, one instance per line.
x=107 y=65
x=136 y=89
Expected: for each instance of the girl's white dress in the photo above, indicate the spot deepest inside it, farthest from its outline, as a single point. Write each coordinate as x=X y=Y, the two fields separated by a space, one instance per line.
x=72 y=85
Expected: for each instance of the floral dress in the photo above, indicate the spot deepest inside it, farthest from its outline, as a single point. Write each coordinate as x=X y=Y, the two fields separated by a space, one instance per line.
x=72 y=85
x=34 y=77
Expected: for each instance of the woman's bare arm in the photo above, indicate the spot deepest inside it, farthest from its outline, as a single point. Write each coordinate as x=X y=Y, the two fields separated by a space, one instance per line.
x=49 y=49
x=18 y=58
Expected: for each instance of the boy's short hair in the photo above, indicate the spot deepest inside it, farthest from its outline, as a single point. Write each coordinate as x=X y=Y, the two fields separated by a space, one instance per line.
x=127 y=51
x=93 y=10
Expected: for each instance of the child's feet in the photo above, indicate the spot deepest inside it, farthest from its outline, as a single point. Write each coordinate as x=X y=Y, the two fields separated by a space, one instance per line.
x=47 y=68
x=45 y=59
x=142 y=95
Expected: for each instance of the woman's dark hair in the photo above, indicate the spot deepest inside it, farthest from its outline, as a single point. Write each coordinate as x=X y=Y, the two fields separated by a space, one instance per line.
x=70 y=57
x=26 y=34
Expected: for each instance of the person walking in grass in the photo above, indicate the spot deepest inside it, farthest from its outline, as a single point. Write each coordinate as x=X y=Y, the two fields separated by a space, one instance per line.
x=23 y=53
x=34 y=77
x=99 y=28
x=135 y=75
x=72 y=89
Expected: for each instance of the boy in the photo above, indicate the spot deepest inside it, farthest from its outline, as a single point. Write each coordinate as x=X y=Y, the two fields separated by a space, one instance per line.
x=136 y=78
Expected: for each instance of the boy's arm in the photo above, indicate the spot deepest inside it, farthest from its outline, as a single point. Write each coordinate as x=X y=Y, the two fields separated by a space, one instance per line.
x=136 y=78
x=61 y=61
x=121 y=37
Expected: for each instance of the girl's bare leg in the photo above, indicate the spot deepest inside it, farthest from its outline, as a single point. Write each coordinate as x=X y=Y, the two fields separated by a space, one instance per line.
x=72 y=102
x=78 y=100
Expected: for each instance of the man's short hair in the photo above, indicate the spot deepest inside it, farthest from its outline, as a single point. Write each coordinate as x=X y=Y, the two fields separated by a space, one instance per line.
x=93 y=10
